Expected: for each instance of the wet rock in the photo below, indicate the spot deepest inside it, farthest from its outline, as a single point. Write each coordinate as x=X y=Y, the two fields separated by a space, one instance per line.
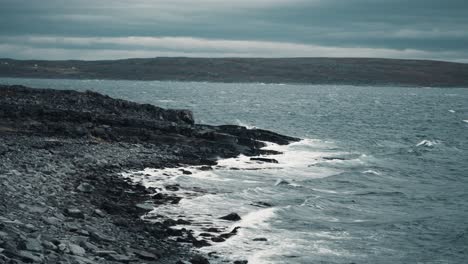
x=76 y=250
x=261 y=204
x=200 y=243
x=145 y=206
x=99 y=213
x=52 y=220
x=145 y=255
x=198 y=259
x=28 y=256
x=119 y=258
x=218 y=239
x=183 y=222
x=37 y=209
x=75 y=213
x=186 y=172
x=206 y=168
x=97 y=236
x=264 y=160
x=85 y=187
x=241 y=262
x=173 y=188
x=260 y=239
x=231 y=217
x=31 y=244
x=213 y=230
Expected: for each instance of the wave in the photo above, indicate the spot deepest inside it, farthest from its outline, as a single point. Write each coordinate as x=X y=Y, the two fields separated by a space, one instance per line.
x=427 y=143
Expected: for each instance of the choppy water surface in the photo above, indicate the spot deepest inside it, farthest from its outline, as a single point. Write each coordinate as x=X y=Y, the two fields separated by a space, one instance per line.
x=380 y=177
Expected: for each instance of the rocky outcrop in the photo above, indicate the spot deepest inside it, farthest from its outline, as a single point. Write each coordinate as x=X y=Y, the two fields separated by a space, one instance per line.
x=61 y=200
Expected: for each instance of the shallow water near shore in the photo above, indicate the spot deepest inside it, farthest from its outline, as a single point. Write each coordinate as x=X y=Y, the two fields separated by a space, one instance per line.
x=380 y=177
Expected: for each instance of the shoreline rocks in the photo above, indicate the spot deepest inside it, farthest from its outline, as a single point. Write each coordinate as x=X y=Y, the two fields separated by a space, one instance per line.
x=61 y=153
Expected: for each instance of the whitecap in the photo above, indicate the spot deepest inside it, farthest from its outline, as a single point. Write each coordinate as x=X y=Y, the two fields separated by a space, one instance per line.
x=371 y=172
x=466 y=121
x=451 y=111
x=427 y=143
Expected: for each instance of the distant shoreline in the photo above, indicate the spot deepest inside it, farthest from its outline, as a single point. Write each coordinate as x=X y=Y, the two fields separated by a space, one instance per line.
x=320 y=71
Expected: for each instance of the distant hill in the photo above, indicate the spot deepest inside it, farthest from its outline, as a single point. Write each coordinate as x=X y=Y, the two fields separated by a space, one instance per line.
x=353 y=71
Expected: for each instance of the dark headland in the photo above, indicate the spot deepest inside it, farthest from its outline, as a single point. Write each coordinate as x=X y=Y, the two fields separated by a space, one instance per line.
x=348 y=71
x=62 y=198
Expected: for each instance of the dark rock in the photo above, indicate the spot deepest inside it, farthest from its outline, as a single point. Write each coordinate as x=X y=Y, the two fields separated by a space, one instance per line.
x=213 y=230
x=31 y=244
x=260 y=239
x=205 y=168
x=119 y=258
x=198 y=259
x=75 y=213
x=96 y=236
x=174 y=187
x=99 y=213
x=241 y=262
x=76 y=250
x=183 y=222
x=264 y=160
x=218 y=239
x=200 y=243
x=28 y=256
x=231 y=217
x=85 y=187
x=145 y=255
x=186 y=172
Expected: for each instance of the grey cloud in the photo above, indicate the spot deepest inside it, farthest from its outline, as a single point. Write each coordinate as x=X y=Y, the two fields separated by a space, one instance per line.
x=429 y=26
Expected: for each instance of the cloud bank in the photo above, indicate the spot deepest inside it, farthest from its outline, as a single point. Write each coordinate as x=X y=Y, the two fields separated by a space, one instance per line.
x=53 y=29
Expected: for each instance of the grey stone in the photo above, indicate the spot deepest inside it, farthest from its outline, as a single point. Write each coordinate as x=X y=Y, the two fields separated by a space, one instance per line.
x=89 y=246
x=145 y=255
x=231 y=217
x=119 y=258
x=49 y=245
x=85 y=187
x=30 y=257
x=145 y=206
x=63 y=248
x=103 y=253
x=52 y=220
x=99 y=213
x=36 y=209
x=74 y=212
x=83 y=260
x=32 y=244
x=76 y=250
x=100 y=237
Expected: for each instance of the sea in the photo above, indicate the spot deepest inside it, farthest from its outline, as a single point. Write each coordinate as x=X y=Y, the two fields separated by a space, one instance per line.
x=380 y=175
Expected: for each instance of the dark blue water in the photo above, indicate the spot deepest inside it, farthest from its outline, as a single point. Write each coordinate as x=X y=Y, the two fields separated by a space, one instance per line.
x=382 y=176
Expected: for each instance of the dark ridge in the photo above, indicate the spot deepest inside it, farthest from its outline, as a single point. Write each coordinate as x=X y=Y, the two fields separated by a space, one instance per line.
x=348 y=71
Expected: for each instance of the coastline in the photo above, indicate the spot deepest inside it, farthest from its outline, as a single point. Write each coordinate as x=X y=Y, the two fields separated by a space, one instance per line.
x=61 y=155
x=319 y=71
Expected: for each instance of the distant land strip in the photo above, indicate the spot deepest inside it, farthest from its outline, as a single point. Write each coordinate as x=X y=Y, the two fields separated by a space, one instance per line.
x=347 y=71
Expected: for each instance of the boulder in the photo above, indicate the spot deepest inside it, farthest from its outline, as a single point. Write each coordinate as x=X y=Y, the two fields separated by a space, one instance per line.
x=75 y=213
x=231 y=217
x=264 y=160
x=198 y=259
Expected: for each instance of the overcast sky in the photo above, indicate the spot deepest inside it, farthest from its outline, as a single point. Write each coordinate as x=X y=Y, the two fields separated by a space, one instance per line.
x=111 y=29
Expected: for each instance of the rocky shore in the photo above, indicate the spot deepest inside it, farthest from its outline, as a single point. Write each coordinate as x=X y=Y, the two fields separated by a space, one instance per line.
x=62 y=196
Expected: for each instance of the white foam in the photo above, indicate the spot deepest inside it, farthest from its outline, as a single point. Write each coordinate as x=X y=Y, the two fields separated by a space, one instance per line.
x=451 y=111
x=427 y=143
x=371 y=172
x=466 y=121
